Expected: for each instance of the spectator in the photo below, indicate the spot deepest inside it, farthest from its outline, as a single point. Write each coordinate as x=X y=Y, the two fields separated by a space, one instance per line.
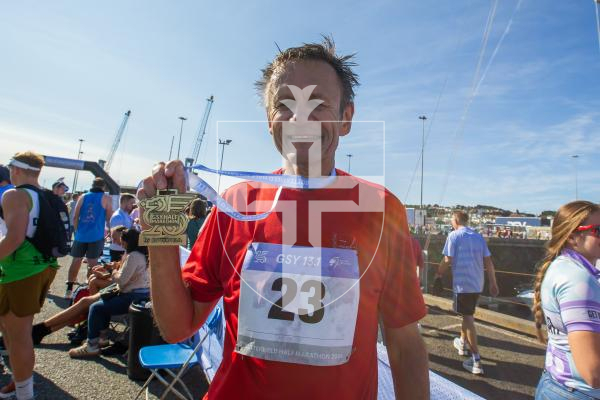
x=197 y=216
x=418 y=254
x=121 y=217
x=71 y=205
x=25 y=273
x=567 y=295
x=132 y=280
x=100 y=276
x=92 y=213
x=466 y=251
x=4 y=180
x=4 y=186
x=135 y=217
x=59 y=187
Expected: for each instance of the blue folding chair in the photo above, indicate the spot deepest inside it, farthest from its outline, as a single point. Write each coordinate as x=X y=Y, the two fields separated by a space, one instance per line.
x=171 y=356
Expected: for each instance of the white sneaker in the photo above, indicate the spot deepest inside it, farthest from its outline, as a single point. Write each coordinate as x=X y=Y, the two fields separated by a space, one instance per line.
x=473 y=366
x=460 y=346
x=68 y=294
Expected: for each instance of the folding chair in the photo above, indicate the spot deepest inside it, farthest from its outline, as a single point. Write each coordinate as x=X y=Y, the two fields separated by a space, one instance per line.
x=171 y=356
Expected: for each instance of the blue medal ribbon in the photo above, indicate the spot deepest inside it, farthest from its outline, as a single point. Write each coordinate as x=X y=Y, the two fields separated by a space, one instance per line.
x=199 y=185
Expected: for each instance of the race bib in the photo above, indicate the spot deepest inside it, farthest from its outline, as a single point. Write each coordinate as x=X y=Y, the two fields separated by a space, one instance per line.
x=298 y=304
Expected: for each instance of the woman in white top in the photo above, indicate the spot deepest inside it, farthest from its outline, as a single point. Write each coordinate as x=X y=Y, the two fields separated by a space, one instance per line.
x=133 y=283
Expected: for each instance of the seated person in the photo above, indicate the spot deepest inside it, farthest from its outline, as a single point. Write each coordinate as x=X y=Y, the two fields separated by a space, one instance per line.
x=102 y=275
x=133 y=281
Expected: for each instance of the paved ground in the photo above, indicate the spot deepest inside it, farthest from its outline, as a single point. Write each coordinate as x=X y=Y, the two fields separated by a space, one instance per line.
x=105 y=378
x=512 y=362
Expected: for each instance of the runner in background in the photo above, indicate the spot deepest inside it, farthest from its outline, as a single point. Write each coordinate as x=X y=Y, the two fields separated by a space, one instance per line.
x=467 y=252
x=321 y=352
x=25 y=273
x=92 y=214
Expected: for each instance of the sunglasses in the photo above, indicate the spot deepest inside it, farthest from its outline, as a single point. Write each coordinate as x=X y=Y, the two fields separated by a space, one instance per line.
x=594 y=228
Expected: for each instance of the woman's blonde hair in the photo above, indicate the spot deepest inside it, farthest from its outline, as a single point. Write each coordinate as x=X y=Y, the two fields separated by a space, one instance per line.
x=567 y=219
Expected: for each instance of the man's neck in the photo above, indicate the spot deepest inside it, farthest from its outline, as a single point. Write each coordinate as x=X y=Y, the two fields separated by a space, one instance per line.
x=27 y=181
x=308 y=172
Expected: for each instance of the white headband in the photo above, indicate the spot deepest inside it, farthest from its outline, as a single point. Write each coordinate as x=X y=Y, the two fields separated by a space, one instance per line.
x=22 y=165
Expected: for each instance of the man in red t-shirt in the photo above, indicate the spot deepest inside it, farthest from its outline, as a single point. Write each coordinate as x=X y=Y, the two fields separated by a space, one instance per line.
x=304 y=287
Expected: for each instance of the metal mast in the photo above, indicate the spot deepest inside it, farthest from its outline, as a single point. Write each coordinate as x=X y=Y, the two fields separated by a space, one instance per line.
x=201 y=131
x=115 y=145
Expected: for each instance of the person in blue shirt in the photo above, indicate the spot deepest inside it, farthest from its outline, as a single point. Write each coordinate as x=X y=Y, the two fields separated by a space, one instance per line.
x=121 y=217
x=4 y=186
x=567 y=299
x=467 y=252
x=4 y=180
x=92 y=213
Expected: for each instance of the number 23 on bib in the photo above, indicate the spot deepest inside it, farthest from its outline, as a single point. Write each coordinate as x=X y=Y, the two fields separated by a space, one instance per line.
x=298 y=304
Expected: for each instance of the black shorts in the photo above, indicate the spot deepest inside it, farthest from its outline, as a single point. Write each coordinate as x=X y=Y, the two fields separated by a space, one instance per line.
x=465 y=303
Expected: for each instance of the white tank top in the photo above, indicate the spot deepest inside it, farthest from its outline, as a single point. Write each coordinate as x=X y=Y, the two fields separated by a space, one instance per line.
x=34 y=213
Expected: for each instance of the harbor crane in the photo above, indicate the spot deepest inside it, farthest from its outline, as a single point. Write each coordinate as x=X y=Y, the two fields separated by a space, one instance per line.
x=191 y=160
x=111 y=154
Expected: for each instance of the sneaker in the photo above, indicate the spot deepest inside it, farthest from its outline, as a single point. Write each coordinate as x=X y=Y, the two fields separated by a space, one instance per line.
x=461 y=347
x=102 y=343
x=473 y=366
x=84 y=351
x=68 y=294
x=115 y=349
x=8 y=391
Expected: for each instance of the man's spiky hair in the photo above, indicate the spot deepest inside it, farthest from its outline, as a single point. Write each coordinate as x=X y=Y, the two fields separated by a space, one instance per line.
x=324 y=51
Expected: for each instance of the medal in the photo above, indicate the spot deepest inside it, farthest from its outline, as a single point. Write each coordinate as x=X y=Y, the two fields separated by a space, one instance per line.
x=166 y=217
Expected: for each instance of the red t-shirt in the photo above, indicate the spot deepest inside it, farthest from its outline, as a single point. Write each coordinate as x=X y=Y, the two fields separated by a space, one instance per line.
x=389 y=288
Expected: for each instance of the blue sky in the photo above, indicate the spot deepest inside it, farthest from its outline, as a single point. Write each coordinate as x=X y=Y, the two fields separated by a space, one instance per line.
x=70 y=70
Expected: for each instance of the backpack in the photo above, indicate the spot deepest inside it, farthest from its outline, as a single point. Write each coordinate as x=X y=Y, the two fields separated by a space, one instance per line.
x=52 y=236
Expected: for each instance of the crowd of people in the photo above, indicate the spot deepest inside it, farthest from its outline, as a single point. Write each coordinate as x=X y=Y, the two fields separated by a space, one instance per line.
x=242 y=257
x=112 y=283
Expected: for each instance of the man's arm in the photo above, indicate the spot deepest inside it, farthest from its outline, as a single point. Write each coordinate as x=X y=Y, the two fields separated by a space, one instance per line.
x=177 y=314
x=107 y=200
x=77 y=211
x=15 y=204
x=409 y=362
x=489 y=266
x=445 y=263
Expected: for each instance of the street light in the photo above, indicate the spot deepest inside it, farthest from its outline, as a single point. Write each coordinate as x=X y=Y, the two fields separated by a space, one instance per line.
x=575 y=157
x=180 y=132
x=223 y=143
x=79 y=153
x=422 y=118
x=349 y=158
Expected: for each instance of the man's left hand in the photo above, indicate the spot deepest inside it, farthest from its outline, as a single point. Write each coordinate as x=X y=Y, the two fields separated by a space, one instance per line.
x=494 y=291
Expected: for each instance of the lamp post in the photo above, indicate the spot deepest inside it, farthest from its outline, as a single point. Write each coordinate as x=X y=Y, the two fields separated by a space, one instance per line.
x=575 y=158
x=223 y=143
x=349 y=158
x=422 y=118
x=79 y=153
x=180 y=133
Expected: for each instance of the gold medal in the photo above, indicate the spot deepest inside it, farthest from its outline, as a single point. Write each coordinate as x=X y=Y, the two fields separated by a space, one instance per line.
x=166 y=217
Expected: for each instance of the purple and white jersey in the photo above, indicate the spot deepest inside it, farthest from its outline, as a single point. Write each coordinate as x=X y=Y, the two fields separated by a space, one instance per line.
x=571 y=302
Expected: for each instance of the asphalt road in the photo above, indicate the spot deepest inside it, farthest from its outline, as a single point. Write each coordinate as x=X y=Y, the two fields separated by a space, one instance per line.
x=512 y=362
